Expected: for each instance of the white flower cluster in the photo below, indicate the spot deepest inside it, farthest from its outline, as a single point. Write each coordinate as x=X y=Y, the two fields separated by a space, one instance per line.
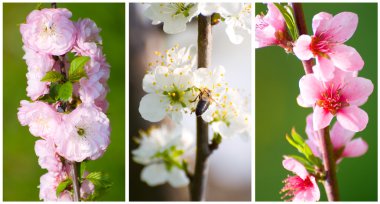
x=175 y=16
x=176 y=87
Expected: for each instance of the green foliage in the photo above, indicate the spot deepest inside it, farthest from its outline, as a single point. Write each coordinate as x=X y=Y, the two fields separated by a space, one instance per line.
x=171 y=158
x=287 y=13
x=298 y=142
x=101 y=182
x=52 y=76
x=82 y=168
x=63 y=186
x=65 y=91
x=76 y=71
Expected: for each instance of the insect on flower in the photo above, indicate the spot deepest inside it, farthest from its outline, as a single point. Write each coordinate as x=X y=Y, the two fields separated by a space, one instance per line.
x=204 y=101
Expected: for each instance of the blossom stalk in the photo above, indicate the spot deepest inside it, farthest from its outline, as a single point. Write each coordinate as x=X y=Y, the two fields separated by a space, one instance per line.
x=327 y=151
x=198 y=183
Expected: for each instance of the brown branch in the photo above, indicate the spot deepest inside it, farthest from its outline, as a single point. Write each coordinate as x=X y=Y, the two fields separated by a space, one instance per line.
x=198 y=182
x=331 y=183
x=74 y=166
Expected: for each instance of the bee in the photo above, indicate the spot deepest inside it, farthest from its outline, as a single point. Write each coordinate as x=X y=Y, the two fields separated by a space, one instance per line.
x=204 y=101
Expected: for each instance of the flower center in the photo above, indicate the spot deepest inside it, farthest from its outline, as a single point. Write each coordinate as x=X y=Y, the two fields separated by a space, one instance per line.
x=80 y=131
x=319 y=47
x=175 y=96
x=295 y=185
x=332 y=100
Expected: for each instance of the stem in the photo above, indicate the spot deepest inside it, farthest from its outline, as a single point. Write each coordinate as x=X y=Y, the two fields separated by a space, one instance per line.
x=302 y=29
x=327 y=150
x=54 y=5
x=198 y=182
x=74 y=166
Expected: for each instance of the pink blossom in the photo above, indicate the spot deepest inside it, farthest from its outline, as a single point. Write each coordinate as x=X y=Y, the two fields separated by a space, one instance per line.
x=48 y=186
x=47 y=156
x=271 y=28
x=88 y=37
x=341 y=139
x=338 y=97
x=302 y=187
x=49 y=31
x=87 y=188
x=84 y=134
x=326 y=45
x=38 y=65
x=42 y=119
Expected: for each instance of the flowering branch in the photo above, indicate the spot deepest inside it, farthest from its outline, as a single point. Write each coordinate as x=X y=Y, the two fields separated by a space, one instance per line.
x=327 y=151
x=198 y=183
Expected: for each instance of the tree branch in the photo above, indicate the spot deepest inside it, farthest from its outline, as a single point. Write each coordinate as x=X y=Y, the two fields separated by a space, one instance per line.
x=198 y=182
x=331 y=183
x=74 y=166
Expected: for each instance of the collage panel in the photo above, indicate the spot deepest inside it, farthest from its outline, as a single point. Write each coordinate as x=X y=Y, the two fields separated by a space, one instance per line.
x=190 y=123
x=316 y=102
x=63 y=107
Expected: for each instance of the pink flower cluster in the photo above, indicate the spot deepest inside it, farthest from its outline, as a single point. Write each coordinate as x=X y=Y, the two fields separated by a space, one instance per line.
x=333 y=89
x=73 y=130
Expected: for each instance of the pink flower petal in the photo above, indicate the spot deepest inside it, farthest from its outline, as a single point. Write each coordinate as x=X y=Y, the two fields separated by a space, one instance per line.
x=320 y=19
x=295 y=166
x=342 y=26
x=324 y=69
x=340 y=136
x=302 y=48
x=357 y=89
x=321 y=118
x=275 y=18
x=310 y=89
x=346 y=58
x=310 y=194
x=352 y=118
x=355 y=148
x=301 y=103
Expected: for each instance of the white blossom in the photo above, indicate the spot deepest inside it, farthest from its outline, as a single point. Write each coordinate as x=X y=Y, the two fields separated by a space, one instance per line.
x=175 y=16
x=161 y=151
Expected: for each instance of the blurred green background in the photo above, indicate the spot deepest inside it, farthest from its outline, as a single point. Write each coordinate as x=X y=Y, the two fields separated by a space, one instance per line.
x=22 y=173
x=277 y=76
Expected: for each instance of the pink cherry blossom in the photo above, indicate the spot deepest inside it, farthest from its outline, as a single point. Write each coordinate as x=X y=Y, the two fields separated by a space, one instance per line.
x=87 y=188
x=47 y=156
x=338 y=97
x=49 y=31
x=88 y=37
x=302 y=187
x=84 y=134
x=326 y=45
x=38 y=65
x=48 y=186
x=271 y=28
x=42 y=119
x=341 y=139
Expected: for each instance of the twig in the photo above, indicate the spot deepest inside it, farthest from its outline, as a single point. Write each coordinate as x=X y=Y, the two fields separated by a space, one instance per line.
x=198 y=182
x=331 y=183
x=74 y=166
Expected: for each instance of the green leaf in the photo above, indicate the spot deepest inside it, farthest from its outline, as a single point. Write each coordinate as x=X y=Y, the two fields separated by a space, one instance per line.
x=293 y=143
x=62 y=186
x=77 y=71
x=287 y=13
x=54 y=88
x=65 y=91
x=52 y=76
x=99 y=179
x=297 y=138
